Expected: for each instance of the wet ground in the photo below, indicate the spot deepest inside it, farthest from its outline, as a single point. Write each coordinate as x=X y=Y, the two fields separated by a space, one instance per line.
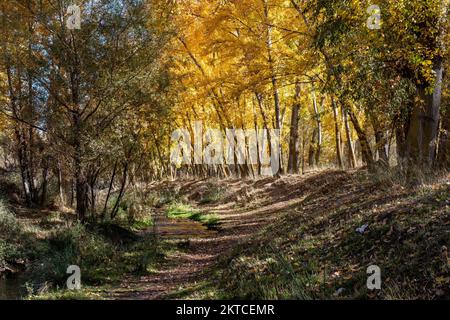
x=12 y=287
x=180 y=268
x=184 y=270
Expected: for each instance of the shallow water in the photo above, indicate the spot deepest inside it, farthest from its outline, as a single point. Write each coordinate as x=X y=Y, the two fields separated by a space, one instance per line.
x=172 y=228
x=12 y=288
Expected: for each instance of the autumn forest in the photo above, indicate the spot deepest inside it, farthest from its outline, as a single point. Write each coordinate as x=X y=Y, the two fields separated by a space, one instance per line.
x=224 y=149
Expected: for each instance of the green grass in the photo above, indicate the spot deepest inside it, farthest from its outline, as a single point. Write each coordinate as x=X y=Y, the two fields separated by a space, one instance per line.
x=142 y=224
x=16 y=240
x=184 y=211
x=102 y=263
x=47 y=246
x=88 y=293
x=310 y=252
x=318 y=253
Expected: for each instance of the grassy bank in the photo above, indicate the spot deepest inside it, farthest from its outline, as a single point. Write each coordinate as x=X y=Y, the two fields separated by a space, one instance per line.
x=17 y=244
x=42 y=249
x=185 y=211
x=321 y=247
x=297 y=237
x=313 y=237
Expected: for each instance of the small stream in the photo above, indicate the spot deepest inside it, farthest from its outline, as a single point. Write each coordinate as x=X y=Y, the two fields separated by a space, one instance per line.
x=13 y=287
x=172 y=228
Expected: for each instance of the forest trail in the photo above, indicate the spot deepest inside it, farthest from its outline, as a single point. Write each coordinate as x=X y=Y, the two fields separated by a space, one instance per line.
x=184 y=270
x=247 y=207
x=253 y=214
x=314 y=217
x=180 y=269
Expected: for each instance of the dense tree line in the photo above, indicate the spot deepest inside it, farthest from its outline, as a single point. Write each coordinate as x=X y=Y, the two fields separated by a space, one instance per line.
x=77 y=102
x=340 y=91
x=93 y=108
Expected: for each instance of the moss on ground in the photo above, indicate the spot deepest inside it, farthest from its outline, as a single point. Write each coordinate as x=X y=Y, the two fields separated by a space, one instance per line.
x=180 y=210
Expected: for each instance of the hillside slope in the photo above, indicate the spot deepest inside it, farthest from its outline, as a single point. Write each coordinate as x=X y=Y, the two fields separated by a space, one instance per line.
x=297 y=236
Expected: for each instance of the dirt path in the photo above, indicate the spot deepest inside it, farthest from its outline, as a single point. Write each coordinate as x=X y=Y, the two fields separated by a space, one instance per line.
x=242 y=214
x=180 y=269
x=187 y=268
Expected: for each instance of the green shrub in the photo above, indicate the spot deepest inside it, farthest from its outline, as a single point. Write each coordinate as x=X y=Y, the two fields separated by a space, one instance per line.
x=11 y=232
x=73 y=246
x=9 y=226
x=165 y=197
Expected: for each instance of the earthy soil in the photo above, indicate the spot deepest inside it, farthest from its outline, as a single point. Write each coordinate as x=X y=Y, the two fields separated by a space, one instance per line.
x=245 y=208
x=323 y=206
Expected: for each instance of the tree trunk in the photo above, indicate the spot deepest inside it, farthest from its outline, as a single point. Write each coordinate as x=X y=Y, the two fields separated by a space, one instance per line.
x=337 y=133
x=21 y=155
x=365 y=147
x=255 y=124
x=92 y=182
x=317 y=136
x=380 y=139
x=313 y=149
x=265 y=122
x=276 y=97
x=351 y=149
x=121 y=192
x=423 y=129
x=20 y=138
x=443 y=156
x=111 y=183
x=293 y=138
x=81 y=187
x=60 y=185
x=44 y=182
